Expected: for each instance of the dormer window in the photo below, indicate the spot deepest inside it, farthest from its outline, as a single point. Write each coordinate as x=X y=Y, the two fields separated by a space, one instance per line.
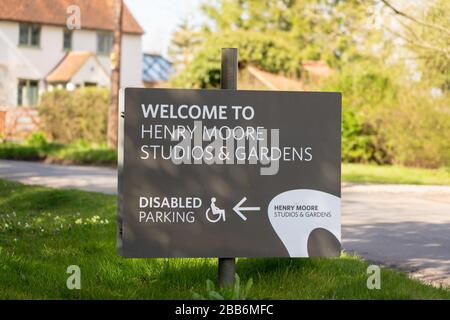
x=29 y=34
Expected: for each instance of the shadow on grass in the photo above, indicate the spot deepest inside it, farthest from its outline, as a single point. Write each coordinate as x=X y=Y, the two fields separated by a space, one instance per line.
x=191 y=271
x=267 y=266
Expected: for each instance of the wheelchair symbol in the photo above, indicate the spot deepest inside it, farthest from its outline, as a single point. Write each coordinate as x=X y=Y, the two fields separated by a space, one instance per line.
x=213 y=210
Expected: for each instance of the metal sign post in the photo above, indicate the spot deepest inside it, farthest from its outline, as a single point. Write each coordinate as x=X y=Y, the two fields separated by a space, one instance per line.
x=228 y=80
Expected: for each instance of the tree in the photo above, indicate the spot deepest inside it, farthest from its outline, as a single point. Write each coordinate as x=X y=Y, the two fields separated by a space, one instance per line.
x=427 y=36
x=183 y=44
x=336 y=31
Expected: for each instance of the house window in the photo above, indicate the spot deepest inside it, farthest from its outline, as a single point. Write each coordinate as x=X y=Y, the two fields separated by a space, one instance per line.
x=67 y=39
x=104 y=43
x=27 y=92
x=29 y=34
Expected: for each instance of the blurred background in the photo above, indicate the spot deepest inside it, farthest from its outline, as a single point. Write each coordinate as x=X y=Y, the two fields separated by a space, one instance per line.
x=390 y=59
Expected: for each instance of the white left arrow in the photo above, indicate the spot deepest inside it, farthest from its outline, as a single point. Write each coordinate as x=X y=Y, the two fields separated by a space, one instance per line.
x=237 y=208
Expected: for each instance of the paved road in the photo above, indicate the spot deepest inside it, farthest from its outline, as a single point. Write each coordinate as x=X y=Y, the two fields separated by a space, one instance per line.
x=403 y=226
x=99 y=179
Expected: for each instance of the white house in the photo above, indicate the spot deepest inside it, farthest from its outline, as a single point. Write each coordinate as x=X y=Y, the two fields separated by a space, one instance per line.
x=39 y=52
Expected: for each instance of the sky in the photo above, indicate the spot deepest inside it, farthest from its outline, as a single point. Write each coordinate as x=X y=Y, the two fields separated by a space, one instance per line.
x=160 y=18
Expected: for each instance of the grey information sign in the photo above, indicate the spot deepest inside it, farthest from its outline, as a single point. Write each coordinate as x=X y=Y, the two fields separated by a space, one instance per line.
x=229 y=173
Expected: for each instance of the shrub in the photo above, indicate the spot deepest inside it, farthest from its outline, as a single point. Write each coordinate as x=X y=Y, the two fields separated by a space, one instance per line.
x=68 y=116
x=77 y=153
x=417 y=130
x=360 y=141
x=15 y=151
x=35 y=148
x=37 y=139
x=74 y=154
x=366 y=89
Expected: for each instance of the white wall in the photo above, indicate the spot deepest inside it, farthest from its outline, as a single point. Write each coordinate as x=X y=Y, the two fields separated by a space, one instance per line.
x=91 y=72
x=43 y=58
x=36 y=63
x=131 y=62
x=17 y=62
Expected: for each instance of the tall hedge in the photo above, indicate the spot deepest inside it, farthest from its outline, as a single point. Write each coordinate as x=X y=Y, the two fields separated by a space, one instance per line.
x=69 y=116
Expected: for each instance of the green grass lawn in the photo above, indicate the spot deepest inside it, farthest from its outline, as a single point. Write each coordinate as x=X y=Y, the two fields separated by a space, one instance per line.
x=43 y=231
x=366 y=173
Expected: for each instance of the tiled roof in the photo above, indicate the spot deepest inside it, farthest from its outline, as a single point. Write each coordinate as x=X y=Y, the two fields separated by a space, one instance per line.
x=95 y=14
x=69 y=66
x=317 y=68
x=156 y=68
x=275 y=81
x=314 y=69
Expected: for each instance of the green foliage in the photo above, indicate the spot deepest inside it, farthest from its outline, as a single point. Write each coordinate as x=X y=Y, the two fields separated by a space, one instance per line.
x=15 y=151
x=338 y=32
x=366 y=88
x=267 y=51
x=183 y=44
x=359 y=141
x=426 y=34
x=256 y=15
x=417 y=129
x=37 y=140
x=365 y=85
x=435 y=48
x=234 y=292
x=79 y=152
x=386 y=121
x=317 y=29
x=84 y=154
x=68 y=116
x=36 y=147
